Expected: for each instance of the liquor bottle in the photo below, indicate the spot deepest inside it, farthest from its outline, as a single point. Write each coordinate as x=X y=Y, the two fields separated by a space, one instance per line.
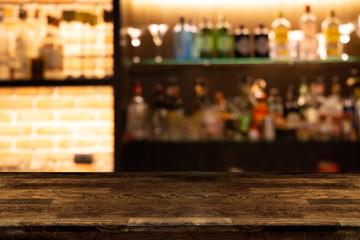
x=245 y=107
x=4 y=51
x=137 y=116
x=330 y=28
x=206 y=39
x=280 y=46
x=182 y=40
x=224 y=40
x=291 y=109
x=175 y=111
x=275 y=104
x=309 y=44
x=304 y=97
x=22 y=61
x=261 y=109
x=261 y=42
x=108 y=65
x=201 y=98
x=200 y=105
x=242 y=42
x=52 y=51
x=158 y=112
x=194 y=43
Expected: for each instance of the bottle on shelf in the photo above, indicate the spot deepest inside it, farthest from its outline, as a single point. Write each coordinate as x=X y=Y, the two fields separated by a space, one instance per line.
x=330 y=29
x=261 y=42
x=275 y=104
x=280 y=44
x=206 y=39
x=51 y=51
x=200 y=104
x=4 y=51
x=182 y=40
x=175 y=111
x=158 y=112
x=137 y=116
x=242 y=42
x=194 y=42
x=291 y=109
x=261 y=109
x=224 y=39
x=22 y=61
x=245 y=107
x=309 y=43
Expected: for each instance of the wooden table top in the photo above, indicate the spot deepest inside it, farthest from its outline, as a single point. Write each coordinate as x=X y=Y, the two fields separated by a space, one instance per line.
x=204 y=205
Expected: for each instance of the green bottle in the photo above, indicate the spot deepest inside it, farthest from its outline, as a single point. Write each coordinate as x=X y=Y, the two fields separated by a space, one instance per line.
x=206 y=39
x=224 y=39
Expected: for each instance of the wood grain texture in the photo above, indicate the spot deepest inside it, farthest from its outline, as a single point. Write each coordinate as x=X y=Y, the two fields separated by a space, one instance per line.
x=179 y=206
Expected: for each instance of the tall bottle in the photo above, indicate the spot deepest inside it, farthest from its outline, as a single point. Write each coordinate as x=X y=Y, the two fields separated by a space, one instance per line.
x=158 y=112
x=4 y=51
x=22 y=61
x=182 y=40
x=175 y=111
x=206 y=39
x=280 y=46
x=194 y=43
x=308 y=25
x=330 y=28
x=52 y=51
x=261 y=41
x=137 y=116
x=291 y=109
x=245 y=107
x=224 y=40
x=275 y=104
x=242 y=42
x=200 y=105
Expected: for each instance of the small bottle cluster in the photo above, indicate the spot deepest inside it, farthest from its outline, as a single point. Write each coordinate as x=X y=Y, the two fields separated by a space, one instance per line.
x=254 y=114
x=280 y=42
x=45 y=43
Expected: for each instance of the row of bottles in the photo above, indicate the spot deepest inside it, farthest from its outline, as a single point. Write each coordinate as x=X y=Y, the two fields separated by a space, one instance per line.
x=221 y=41
x=251 y=115
x=38 y=44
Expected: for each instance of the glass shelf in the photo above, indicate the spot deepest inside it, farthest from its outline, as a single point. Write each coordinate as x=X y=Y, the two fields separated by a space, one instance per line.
x=237 y=61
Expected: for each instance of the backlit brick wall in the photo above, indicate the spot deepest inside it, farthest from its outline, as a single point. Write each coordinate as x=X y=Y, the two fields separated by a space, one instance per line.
x=43 y=128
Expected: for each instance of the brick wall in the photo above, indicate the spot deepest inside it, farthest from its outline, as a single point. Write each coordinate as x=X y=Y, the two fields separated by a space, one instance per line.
x=43 y=128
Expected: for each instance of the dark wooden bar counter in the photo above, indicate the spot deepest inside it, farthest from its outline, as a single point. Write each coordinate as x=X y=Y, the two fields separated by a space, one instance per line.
x=179 y=206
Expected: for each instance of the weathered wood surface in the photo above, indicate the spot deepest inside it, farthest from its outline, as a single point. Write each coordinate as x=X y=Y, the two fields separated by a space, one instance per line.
x=179 y=206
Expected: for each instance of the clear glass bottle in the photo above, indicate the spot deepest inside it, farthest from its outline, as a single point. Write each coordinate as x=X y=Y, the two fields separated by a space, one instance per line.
x=291 y=109
x=182 y=40
x=52 y=51
x=280 y=45
x=242 y=42
x=4 y=51
x=224 y=39
x=206 y=39
x=330 y=28
x=308 y=26
x=275 y=104
x=22 y=61
x=194 y=43
x=175 y=111
x=159 y=112
x=200 y=104
x=137 y=116
x=261 y=41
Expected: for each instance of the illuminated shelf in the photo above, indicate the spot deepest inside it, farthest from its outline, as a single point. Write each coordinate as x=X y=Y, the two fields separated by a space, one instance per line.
x=75 y=82
x=237 y=61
